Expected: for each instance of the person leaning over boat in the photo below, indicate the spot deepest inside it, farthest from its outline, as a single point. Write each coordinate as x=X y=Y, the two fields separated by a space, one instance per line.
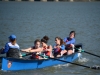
x=58 y=47
x=34 y=49
x=11 y=48
x=47 y=50
x=70 y=41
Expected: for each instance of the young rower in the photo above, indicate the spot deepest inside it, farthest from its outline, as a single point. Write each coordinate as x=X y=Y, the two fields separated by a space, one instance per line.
x=58 y=47
x=34 y=49
x=47 y=50
x=70 y=41
x=11 y=48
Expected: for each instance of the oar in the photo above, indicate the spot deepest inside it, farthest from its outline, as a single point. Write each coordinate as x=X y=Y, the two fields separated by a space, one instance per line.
x=80 y=50
x=23 y=55
x=94 y=67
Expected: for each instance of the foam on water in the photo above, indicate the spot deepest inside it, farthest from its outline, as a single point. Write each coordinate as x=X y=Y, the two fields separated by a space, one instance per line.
x=82 y=59
x=62 y=65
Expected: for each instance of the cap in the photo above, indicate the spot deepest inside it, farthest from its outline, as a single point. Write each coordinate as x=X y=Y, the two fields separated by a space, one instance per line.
x=12 y=37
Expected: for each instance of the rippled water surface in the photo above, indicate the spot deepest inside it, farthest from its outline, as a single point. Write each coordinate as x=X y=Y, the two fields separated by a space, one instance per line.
x=32 y=20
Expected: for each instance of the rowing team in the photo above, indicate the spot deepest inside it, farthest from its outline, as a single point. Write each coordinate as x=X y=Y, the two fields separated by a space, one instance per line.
x=61 y=47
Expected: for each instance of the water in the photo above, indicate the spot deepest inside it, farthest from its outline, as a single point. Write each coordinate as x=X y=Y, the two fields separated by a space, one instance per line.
x=32 y=20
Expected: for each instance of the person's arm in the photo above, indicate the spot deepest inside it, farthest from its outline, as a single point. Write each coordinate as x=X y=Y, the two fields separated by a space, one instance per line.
x=36 y=50
x=25 y=50
x=5 y=50
x=65 y=40
x=71 y=41
x=62 y=47
x=50 y=48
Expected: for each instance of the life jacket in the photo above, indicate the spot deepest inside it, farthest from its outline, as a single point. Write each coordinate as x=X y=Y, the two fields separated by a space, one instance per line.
x=34 y=55
x=46 y=52
x=68 y=39
x=69 y=45
x=57 y=50
x=13 y=51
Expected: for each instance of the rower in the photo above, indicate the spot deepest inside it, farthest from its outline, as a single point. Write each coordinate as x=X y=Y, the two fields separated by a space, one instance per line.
x=11 y=48
x=58 y=47
x=69 y=41
x=47 y=50
x=34 y=49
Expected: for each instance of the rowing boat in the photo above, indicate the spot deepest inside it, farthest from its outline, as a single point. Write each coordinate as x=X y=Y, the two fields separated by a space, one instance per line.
x=26 y=64
x=23 y=64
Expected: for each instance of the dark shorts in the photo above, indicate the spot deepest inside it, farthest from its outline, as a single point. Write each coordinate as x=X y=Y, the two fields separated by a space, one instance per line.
x=57 y=53
x=68 y=47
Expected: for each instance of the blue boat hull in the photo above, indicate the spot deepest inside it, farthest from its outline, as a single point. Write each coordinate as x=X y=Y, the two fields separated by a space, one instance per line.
x=22 y=64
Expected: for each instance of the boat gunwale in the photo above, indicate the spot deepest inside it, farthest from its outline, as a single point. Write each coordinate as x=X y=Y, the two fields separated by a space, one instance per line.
x=38 y=59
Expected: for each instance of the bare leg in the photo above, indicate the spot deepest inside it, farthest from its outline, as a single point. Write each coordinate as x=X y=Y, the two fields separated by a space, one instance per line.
x=69 y=52
x=51 y=54
x=73 y=48
x=58 y=55
x=63 y=52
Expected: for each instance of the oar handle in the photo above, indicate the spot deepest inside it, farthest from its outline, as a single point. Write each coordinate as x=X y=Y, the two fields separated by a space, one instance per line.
x=44 y=56
x=79 y=49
